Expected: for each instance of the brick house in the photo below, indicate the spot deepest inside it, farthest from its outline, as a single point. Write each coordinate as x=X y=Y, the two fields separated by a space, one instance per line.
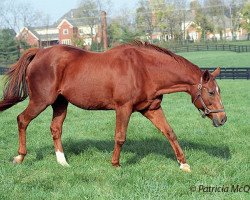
x=39 y=36
x=66 y=30
x=70 y=29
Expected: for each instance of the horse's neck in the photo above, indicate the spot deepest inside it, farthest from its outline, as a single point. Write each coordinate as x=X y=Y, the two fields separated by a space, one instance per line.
x=179 y=80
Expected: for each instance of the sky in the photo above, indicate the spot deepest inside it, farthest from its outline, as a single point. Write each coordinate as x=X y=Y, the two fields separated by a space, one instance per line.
x=57 y=8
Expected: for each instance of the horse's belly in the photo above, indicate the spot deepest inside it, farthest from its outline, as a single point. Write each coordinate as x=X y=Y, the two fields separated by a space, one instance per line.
x=90 y=99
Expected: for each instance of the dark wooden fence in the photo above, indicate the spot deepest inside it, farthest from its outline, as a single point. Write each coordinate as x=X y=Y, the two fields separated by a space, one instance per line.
x=3 y=70
x=226 y=72
x=232 y=72
x=211 y=47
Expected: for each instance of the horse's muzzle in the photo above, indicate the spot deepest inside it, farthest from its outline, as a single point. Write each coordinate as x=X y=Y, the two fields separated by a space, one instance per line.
x=217 y=122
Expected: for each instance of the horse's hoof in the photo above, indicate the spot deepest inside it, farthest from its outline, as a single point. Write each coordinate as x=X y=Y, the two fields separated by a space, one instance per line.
x=185 y=167
x=64 y=164
x=18 y=159
x=116 y=165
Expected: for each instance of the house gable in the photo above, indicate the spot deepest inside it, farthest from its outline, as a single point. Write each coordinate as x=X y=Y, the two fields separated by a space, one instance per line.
x=30 y=37
x=25 y=30
x=63 y=23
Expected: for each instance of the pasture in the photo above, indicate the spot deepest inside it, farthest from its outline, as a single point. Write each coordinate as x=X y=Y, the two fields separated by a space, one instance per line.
x=219 y=157
x=218 y=58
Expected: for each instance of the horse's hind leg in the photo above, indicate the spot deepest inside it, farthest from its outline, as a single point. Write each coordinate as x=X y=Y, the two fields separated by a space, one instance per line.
x=59 y=114
x=23 y=120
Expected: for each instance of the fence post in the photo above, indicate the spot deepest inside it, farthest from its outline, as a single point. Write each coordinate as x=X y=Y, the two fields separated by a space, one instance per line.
x=3 y=70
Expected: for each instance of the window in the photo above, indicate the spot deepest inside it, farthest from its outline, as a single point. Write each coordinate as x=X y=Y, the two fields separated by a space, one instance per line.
x=81 y=30
x=66 y=41
x=65 y=31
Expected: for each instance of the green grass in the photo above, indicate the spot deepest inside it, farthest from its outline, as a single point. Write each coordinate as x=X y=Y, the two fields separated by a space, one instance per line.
x=218 y=58
x=218 y=156
x=237 y=42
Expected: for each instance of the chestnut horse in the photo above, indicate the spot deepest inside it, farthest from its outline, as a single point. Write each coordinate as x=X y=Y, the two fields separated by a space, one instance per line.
x=128 y=78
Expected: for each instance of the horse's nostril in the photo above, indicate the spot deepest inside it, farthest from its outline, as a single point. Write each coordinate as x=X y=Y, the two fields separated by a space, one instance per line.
x=223 y=121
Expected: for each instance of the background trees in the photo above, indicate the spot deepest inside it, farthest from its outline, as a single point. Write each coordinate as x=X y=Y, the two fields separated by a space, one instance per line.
x=14 y=15
x=153 y=20
x=8 y=46
x=245 y=23
x=121 y=29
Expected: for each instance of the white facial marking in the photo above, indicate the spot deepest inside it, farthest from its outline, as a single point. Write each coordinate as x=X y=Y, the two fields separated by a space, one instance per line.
x=217 y=89
x=61 y=158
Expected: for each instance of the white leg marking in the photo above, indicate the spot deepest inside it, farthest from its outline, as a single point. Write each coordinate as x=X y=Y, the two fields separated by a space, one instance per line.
x=61 y=158
x=18 y=159
x=185 y=167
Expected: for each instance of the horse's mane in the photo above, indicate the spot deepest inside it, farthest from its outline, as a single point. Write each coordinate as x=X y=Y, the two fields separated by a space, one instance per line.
x=148 y=45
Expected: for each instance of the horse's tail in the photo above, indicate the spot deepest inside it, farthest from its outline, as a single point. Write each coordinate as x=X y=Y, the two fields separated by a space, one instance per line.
x=15 y=88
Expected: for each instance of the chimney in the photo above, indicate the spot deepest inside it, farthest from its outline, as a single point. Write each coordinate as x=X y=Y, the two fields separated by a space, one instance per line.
x=104 y=29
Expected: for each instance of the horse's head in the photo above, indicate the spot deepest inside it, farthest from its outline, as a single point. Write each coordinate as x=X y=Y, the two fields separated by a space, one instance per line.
x=206 y=97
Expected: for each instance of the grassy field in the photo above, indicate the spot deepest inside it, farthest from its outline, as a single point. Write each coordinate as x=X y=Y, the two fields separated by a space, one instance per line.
x=218 y=157
x=218 y=58
x=237 y=42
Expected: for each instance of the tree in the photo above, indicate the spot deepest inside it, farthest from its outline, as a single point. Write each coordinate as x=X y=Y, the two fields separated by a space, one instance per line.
x=215 y=11
x=171 y=17
x=15 y=15
x=246 y=19
x=9 y=52
x=165 y=19
x=234 y=9
x=89 y=11
x=144 y=18
x=201 y=20
x=121 y=28
x=162 y=17
x=120 y=34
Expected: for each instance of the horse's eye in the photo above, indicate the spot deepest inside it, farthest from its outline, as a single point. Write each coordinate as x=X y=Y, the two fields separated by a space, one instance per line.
x=211 y=93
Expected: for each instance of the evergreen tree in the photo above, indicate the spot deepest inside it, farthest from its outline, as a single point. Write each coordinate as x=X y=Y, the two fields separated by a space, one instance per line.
x=9 y=52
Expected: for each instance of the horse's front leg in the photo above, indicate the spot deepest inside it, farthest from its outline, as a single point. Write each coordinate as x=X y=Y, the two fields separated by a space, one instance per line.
x=157 y=117
x=123 y=114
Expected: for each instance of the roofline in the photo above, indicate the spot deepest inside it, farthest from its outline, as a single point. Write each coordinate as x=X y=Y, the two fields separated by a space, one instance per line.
x=65 y=20
x=29 y=31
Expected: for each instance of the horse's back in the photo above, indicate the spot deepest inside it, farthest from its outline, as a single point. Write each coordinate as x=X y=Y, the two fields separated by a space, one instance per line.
x=104 y=80
x=88 y=80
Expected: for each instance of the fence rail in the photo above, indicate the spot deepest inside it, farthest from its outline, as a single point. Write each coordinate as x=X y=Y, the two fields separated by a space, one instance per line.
x=232 y=72
x=211 y=47
x=226 y=72
x=3 y=70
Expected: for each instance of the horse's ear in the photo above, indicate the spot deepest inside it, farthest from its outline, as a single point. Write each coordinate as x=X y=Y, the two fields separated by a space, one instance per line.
x=206 y=76
x=216 y=72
